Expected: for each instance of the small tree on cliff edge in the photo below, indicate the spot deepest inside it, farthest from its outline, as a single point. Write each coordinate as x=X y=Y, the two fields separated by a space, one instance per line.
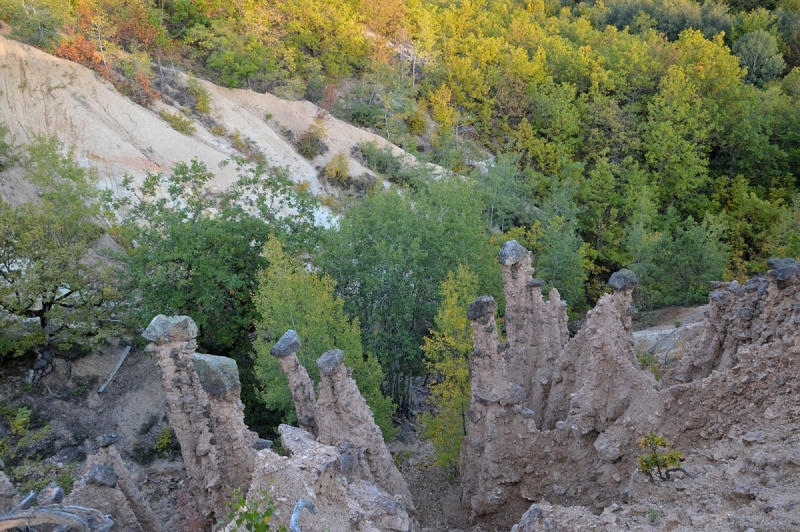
x=659 y=458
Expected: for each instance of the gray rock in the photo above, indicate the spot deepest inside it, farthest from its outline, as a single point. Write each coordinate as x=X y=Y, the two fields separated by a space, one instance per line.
x=102 y=475
x=328 y=361
x=753 y=437
x=165 y=329
x=107 y=439
x=744 y=491
x=608 y=447
x=538 y=281
x=262 y=444
x=559 y=490
x=295 y=440
x=511 y=253
x=2 y=464
x=515 y=395
x=783 y=276
x=622 y=280
x=483 y=306
x=219 y=376
x=776 y=263
x=288 y=344
x=52 y=494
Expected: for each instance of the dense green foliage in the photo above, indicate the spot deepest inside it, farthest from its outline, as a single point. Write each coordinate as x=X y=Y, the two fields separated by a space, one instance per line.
x=56 y=289
x=388 y=257
x=197 y=252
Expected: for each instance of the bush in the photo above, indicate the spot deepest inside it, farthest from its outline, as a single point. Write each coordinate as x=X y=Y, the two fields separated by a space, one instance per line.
x=200 y=98
x=384 y=162
x=178 y=122
x=337 y=170
x=659 y=458
x=310 y=144
x=250 y=516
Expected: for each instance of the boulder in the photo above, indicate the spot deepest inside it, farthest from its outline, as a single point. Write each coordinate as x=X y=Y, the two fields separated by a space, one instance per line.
x=219 y=376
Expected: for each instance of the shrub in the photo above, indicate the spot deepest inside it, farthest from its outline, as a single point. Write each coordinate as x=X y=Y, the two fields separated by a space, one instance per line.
x=336 y=171
x=248 y=515
x=201 y=99
x=178 y=122
x=310 y=144
x=659 y=458
x=649 y=362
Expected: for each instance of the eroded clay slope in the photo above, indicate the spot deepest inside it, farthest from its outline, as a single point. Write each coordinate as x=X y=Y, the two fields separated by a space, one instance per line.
x=43 y=95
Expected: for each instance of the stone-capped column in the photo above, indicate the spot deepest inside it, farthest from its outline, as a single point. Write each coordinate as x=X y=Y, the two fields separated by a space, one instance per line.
x=300 y=384
x=344 y=420
x=205 y=411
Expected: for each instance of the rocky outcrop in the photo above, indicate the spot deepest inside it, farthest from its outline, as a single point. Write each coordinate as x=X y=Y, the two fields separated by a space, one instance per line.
x=544 y=408
x=736 y=381
x=345 y=473
x=204 y=409
x=300 y=384
x=741 y=318
x=107 y=485
x=315 y=472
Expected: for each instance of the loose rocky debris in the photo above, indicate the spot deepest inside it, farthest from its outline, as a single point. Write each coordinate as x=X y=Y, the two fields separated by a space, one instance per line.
x=556 y=421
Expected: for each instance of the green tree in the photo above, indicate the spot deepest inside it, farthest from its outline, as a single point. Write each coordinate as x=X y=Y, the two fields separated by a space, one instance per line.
x=390 y=253
x=447 y=351
x=676 y=265
x=674 y=139
x=52 y=271
x=291 y=297
x=192 y=250
x=758 y=52
x=38 y=22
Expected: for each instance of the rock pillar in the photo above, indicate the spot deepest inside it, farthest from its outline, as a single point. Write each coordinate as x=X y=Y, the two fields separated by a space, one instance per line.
x=300 y=384
x=205 y=411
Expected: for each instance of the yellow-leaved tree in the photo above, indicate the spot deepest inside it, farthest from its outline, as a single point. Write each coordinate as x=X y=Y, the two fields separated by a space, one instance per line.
x=447 y=351
x=291 y=297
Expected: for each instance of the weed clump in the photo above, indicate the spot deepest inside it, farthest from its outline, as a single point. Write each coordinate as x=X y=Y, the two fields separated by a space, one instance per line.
x=178 y=122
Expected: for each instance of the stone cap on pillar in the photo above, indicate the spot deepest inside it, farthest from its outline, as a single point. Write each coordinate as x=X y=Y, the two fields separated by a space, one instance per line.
x=164 y=329
x=483 y=306
x=219 y=376
x=622 y=280
x=512 y=252
x=329 y=360
x=288 y=344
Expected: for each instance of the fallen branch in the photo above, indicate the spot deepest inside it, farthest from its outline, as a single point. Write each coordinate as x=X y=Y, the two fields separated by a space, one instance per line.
x=116 y=369
x=52 y=394
x=78 y=518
